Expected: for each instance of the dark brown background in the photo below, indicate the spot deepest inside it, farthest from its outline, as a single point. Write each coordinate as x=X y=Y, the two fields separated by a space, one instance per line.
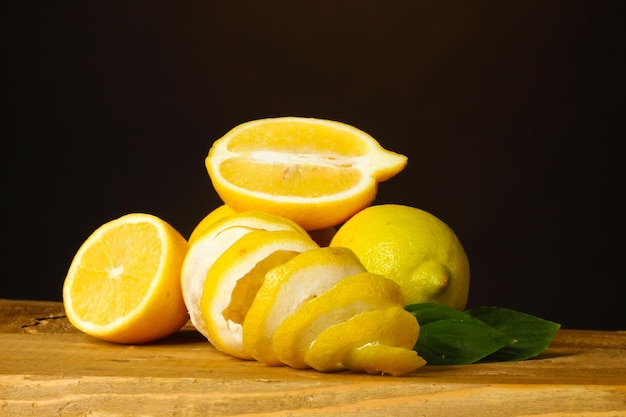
x=508 y=112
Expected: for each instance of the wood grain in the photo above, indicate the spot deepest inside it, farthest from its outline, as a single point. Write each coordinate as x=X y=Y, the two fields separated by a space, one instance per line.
x=49 y=368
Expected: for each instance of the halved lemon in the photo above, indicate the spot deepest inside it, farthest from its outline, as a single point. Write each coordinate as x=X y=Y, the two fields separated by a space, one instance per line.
x=316 y=172
x=350 y=296
x=287 y=288
x=234 y=278
x=123 y=284
x=209 y=245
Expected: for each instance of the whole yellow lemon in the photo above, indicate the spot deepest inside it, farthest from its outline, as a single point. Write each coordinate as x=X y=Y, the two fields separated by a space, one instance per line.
x=412 y=247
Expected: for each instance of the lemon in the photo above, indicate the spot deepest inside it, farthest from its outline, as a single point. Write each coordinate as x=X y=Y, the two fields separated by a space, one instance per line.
x=209 y=245
x=414 y=248
x=288 y=287
x=316 y=172
x=233 y=280
x=123 y=284
x=350 y=296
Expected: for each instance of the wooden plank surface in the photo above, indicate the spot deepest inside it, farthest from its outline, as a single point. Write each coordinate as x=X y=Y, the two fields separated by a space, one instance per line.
x=49 y=368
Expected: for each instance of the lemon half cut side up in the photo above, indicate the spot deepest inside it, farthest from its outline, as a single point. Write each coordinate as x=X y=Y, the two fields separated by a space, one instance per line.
x=316 y=172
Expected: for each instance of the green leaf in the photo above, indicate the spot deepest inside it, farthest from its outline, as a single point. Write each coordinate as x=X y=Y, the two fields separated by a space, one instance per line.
x=452 y=337
x=428 y=312
x=532 y=334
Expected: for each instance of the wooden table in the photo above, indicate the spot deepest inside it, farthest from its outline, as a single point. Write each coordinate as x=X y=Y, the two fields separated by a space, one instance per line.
x=48 y=368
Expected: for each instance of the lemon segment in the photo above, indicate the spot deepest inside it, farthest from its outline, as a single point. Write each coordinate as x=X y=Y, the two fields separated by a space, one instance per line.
x=233 y=280
x=392 y=326
x=123 y=284
x=414 y=248
x=286 y=289
x=316 y=172
x=207 y=247
x=350 y=296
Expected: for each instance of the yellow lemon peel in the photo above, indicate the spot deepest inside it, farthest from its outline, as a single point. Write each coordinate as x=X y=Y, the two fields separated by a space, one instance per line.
x=233 y=280
x=288 y=287
x=352 y=295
